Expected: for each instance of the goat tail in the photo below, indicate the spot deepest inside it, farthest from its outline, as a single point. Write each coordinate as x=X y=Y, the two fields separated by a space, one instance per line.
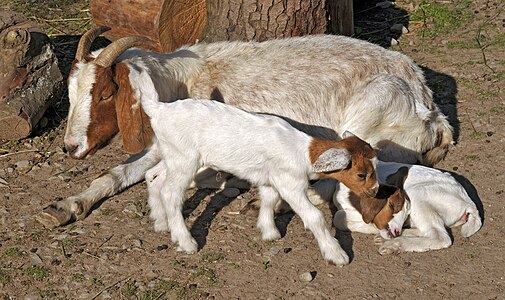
x=444 y=140
x=146 y=92
x=473 y=223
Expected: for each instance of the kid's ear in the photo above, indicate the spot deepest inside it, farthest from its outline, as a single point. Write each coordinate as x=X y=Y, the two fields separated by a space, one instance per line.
x=398 y=179
x=331 y=160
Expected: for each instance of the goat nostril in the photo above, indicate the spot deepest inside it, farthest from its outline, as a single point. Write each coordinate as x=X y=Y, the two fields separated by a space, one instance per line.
x=397 y=232
x=71 y=148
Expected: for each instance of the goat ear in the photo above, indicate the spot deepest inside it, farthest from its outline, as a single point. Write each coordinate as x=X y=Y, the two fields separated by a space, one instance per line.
x=347 y=134
x=368 y=207
x=369 y=213
x=133 y=123
x=333 y=159
x=398 y=179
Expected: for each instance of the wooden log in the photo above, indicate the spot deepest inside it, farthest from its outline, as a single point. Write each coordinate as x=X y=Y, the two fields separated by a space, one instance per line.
x=31 y=79
x=171 y=24
x=168 y=23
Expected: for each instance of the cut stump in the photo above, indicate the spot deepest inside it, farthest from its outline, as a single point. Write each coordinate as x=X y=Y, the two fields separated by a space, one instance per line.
x=31 y=79
x=173 y=23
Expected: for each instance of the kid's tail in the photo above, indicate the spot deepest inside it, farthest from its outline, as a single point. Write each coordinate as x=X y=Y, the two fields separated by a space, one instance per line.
x=146 y=93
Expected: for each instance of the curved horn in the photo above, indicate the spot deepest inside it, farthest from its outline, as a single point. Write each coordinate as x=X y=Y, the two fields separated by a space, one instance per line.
x=87 y=39
x=109 y=54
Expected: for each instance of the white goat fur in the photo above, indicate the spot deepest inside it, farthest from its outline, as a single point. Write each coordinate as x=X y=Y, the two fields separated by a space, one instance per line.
x=437 y=201
x=264 y=150
x=328 y=83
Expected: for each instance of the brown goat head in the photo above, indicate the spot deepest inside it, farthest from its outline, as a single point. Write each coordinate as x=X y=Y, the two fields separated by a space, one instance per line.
x=102 y=101
x=357 y=171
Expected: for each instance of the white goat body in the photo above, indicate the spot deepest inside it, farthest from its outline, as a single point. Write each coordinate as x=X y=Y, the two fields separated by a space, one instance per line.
x=437 y=201
x=265 y=150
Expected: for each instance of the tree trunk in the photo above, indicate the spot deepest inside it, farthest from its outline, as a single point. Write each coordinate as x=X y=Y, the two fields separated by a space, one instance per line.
x=261 y=19
x=31 y=79
x=173 y=23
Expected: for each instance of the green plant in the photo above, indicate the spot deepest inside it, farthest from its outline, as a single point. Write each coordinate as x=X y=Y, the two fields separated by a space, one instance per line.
x=129 y=289
x=207 y=273
x=440 y=19
x=4 y=278
x=38 y=273
x=212 y=257
x=265 y=264
x=78 y=277
x=107 y=211
x=14 y=251
x=167 y=285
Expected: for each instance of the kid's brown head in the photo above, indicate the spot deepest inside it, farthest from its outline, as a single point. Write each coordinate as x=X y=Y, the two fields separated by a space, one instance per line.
x=351 y=161
x=389 y=208
x=397 y=207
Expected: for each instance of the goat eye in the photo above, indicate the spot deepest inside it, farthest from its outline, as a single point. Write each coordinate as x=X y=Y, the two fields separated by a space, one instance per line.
x=362 y=176
x=105 y=97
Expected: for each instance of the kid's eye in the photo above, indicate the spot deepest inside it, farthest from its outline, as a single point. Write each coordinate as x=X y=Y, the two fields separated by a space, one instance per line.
x=362 y=176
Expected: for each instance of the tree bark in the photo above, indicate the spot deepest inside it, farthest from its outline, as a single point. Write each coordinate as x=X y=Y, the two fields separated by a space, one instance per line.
x=173 y=23
x=261 y=19
x=31 y=79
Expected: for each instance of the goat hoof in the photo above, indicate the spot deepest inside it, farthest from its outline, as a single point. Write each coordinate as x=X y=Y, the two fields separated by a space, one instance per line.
x=390 y=248
x=54 y=216
x=272 y=235
x=190 y=247
x=378 y=240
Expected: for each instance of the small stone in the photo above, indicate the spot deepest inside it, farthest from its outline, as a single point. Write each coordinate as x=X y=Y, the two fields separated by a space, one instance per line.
x=36 y=260
x=79 y=230
x=60 y=237
x=394 y=42
x=412 y=43
x=64 y=177
x=10 y=170
x=307 y=276
x=35 y=201
x=137 y=243
x=162 y=247
x=384 y=4
x=151 y=284
x=22 y=164
x=31 y=297
x=85 y=295
x=231 y=192
x=273 y=251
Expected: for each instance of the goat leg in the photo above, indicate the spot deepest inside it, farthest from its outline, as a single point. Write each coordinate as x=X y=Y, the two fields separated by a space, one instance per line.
x=115 y=180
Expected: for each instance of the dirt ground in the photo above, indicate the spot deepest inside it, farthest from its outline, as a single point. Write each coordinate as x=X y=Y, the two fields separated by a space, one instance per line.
x=114 y=253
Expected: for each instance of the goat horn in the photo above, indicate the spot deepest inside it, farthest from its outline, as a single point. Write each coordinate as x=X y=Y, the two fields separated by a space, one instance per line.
x=109 y=54
x=87 y=39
